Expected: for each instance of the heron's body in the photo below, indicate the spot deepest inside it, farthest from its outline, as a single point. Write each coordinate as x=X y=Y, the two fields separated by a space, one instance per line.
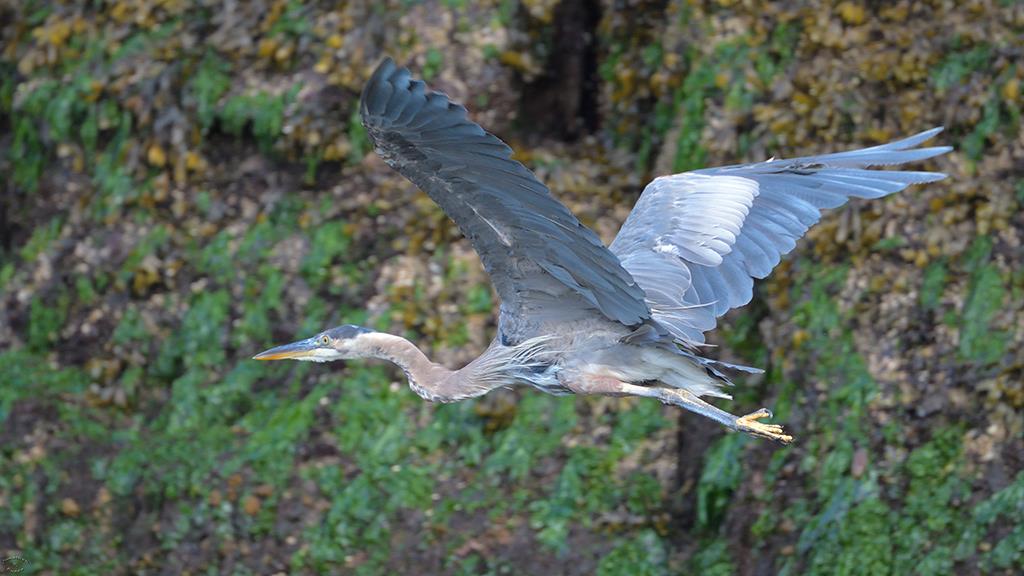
x=578 y=317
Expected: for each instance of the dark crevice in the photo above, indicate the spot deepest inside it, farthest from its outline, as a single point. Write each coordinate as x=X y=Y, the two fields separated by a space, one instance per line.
x=563 y=102
x=695 y=434
x=589 y=102
x=9 y=196
x=7 y=226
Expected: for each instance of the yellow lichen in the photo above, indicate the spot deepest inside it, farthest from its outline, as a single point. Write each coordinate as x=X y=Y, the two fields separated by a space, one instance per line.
x=156 y=156
x=851 y=12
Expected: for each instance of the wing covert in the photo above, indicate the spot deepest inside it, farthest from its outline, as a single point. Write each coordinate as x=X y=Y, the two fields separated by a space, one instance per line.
x=681 y=221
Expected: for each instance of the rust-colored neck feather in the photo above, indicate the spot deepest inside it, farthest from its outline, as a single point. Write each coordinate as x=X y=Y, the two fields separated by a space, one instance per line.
x=431 y=381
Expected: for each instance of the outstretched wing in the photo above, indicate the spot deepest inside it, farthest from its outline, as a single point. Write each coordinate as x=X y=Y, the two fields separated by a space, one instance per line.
x=716 y=229
x=536 y=252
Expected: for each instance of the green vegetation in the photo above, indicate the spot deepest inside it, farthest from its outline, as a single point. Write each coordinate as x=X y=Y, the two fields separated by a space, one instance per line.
x=262 y=112
x=979 y=343
x=723 y=71
x=644 y=555
x=956 y=66
x=997 y=114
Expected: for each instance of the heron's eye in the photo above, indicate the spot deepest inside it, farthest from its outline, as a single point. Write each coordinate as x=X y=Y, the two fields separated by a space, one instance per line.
x=325 y=340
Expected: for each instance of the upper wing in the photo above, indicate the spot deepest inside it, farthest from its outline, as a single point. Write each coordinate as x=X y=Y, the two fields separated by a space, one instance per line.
x=681 y=221
x=726 y=226
x=537 y=253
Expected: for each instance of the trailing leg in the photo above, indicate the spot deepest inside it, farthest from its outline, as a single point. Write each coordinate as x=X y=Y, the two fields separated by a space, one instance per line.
x=749 y=424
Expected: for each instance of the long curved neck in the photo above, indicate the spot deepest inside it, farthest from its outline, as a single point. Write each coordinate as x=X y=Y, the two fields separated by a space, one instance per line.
x=431 y=381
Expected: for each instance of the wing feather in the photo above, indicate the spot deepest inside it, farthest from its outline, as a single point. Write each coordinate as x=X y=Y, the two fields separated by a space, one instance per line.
x=528 y=242
x=729 y=225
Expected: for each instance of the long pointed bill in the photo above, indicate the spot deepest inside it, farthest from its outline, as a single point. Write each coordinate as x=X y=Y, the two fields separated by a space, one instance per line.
x=294 y=351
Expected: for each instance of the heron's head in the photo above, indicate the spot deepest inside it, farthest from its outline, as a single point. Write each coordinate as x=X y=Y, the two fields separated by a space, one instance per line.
x=341 y=343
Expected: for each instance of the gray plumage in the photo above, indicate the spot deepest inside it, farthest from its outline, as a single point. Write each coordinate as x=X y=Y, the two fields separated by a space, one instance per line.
x=528 y=242
x=575 y=316
x=714 y=230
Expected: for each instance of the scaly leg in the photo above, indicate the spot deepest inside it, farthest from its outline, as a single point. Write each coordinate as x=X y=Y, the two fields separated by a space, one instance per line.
x=748 y=423
x=608 y=386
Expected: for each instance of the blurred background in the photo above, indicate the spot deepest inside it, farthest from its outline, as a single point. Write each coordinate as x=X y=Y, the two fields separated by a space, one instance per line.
x=187 y=183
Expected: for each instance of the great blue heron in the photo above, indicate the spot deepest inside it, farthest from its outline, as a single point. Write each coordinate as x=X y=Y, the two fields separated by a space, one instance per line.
x=578 y=317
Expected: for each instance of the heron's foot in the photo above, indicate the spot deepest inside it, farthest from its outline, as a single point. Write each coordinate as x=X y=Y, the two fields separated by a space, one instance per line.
x=750 y=425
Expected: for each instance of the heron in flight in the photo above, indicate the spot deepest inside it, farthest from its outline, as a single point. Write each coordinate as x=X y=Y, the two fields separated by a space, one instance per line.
x=579 y=317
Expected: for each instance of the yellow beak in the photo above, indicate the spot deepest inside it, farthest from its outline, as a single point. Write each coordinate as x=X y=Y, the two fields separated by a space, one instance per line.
x=293 y=351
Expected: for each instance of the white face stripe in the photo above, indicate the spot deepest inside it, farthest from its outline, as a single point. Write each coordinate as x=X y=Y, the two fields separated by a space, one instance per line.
x=321 y=355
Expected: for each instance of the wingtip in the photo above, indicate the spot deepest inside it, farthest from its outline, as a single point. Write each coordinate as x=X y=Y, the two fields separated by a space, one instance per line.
x=933 y=177
x=914 y=141
x=385 y=68
x=930 y=133
x=933 y=151
x=385 y=79
x=386 y=62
